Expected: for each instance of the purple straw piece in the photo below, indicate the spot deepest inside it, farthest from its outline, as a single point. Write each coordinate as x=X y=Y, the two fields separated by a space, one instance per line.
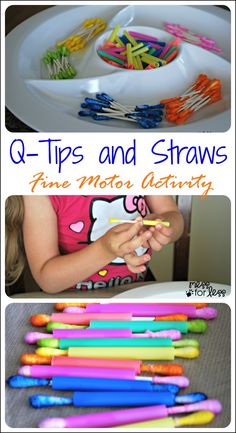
x=127 y=416
x=144 y=37
x=181 y=381
x=107 y=419
x=92 y=333
x=165 y=50
x=211 y=405
x=33 y=337
x=75 y=310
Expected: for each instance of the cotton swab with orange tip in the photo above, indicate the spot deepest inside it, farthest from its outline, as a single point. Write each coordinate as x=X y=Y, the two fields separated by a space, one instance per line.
x=197 y=418
x=137 y=365
x=203 y=92
x=145 y=222
x=62 y=305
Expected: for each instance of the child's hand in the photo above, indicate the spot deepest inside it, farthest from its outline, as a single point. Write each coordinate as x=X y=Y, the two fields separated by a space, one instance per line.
x=135 y=263
x=161 y=235
x=124 y=239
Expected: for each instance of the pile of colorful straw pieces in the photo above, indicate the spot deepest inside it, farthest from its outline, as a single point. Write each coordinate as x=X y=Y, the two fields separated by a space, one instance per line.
x=108 y=354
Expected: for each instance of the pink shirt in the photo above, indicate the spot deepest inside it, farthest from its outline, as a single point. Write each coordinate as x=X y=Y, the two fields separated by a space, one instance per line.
x=83 y=219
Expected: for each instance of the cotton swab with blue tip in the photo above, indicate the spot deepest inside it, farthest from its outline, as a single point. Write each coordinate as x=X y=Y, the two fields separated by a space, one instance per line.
x=116 y=399
x=94 y=383
x=104 y=107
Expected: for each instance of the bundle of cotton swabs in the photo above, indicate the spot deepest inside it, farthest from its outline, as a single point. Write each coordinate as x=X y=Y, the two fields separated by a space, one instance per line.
x=58 y=65
x=104 y=107
x=204 y=91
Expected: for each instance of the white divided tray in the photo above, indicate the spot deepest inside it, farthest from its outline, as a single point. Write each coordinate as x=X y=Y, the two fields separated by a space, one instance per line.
x=53 y=105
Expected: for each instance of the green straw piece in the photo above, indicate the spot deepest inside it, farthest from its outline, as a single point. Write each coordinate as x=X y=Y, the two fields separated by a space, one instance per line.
x=114 y=33
x=170 y=51
x=140 y=325
x=110 y=57
x=66 y=343
x=130 y=38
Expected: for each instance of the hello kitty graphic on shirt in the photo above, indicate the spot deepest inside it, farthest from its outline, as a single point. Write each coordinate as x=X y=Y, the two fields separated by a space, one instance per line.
x=84 y=219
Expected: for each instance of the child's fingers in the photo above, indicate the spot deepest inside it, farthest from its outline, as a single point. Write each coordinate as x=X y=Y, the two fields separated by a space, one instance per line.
x=130 y=232
x=158 y=241
x=135 y=242
x=166 y=231
x=134 y=260
x=136 y=263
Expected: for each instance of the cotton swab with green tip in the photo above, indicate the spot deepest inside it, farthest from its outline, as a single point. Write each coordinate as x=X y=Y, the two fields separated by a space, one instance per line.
x=58 y=65
x=58 y=325
x=66 y=343
x=197 y=418
x=143 y=353
x=195 y=326
x=145 y=222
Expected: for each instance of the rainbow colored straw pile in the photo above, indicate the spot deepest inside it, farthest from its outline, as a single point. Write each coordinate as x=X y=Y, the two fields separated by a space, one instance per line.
x=102 y=352
x=133 y=50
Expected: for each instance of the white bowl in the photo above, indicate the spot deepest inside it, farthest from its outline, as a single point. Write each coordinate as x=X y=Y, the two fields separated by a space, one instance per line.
x=148 y=31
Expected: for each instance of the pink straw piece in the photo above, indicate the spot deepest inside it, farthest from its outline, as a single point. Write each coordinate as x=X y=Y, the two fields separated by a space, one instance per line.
x=85 y=318
x=49 y=371
x=164 y=51
x=68 y=361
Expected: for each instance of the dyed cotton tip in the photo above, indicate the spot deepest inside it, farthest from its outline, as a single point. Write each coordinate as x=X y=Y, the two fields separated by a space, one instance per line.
x=206 y=313
x=33 y=337
x=53 y=423
x=40 y=319
x=76 y=310
x=38 y=401
x=34 y=359
x=26 y=382
x=197 y=325
x=190 y=398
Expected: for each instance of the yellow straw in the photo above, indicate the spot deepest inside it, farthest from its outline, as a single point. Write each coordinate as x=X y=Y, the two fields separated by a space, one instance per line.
x=145 y=222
